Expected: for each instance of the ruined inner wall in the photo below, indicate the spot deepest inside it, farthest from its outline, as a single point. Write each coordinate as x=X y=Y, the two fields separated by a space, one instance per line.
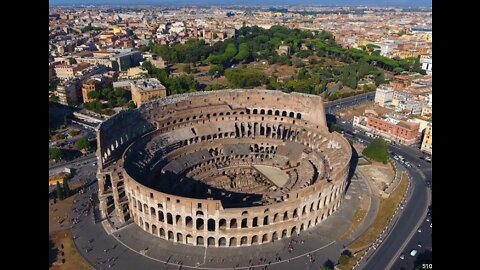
x=269 y=122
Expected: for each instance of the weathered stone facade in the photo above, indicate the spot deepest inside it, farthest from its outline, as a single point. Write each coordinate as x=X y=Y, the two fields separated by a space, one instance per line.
x=224 y=168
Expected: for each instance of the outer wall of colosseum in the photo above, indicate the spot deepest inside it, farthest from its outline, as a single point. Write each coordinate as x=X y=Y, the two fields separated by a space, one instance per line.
x=222 y=140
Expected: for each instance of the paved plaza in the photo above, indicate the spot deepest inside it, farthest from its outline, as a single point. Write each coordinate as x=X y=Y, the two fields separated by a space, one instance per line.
x=132 y=248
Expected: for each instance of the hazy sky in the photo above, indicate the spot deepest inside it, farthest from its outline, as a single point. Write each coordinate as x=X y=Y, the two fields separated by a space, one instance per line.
x=405 y=3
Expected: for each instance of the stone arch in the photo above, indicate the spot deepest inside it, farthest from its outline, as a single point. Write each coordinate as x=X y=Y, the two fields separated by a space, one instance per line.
x=162 y=232
x=211 y=241
x=262 y=111
x=233 y=223
x=293 y=232
x=222 y=242
x=147 y=227
x=285 y=216
x=244 y=223
x=154 y=229
x=302 y=227
x=254 y=240
x=200 y=224
x=275 y=217
x=295 y=213
x=292 y=114
x=153 y=212
x=243 y=241
x=255 y=222
x=200 y=241
x=211 y=225
x=233 y=242
x=170 y=235
x=284 y=233
x=222 y=224
x=265 y=220
x=188 y=222
x=178 y=220
x=299 y=116
x=309 y=224
x=179 y=238
x=264 y=238
x=169 y=218
x=274 y=236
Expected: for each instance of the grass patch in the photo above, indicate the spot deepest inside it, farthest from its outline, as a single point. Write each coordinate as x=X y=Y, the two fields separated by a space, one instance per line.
x=69 y=254
x=386 y=209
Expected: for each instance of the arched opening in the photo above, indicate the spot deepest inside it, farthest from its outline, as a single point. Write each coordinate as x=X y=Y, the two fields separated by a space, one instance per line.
x=169 y=218
x=200 y=241
x=275 y=217
x=264 y=238
x=211 y=225
x=285 y=216
x=244 y=223
x=294 y=231
x=189 y=239
x=274 y=236
x=147 y=227
x=211 y=242
x=188 y=222
x=284 y=233
x=170 y=235
x=295 y=213
x=291 y=114
x=277 y=112
x=269 y=112
x=304 y=211
x=161 y=217
x=199 y=223
x=178 y=220
x=262 y=111
x=302 y=227
x=243 y=241
x=153 y=212
x=162 y=232
x=311 y=208
x=255 y=222
x=309 y=224
x=265 y=220
x=299 y=116
x=284 y=113
x=222 y=224
x=233 y=223
x=179 y=238
x=222 y=242
x=254 y=240
x=154 y=229
x=233 y=242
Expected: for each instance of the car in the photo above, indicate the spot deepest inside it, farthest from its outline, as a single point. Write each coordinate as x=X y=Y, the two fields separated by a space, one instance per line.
x=343 y=122
x=419 y=230
x=428 y=159
x=428 y=219
x=413 y=252
x=402 y=256
x=419 y=244
x=430 y=225
x=418 y=165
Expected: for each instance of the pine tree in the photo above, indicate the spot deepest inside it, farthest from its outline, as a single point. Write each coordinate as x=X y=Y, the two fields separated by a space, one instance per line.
x=59 y=191
x=66 y=188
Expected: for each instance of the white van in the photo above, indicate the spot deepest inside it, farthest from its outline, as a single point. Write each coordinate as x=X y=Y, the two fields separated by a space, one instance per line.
x=413 y=252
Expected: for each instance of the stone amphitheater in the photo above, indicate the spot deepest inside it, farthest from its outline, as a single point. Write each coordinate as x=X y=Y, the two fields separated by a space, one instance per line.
x=224 y=168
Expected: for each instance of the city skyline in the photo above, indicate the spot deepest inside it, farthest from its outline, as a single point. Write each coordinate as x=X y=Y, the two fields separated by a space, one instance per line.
x=387 y=3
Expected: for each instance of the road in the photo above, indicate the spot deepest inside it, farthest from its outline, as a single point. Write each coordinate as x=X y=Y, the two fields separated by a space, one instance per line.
x=336 y=105
x=403 y=236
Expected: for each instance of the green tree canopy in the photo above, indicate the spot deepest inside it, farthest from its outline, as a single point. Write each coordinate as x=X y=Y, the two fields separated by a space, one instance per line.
x=55 y=153
x=245 y=77
x=81 y=144
x=377 y=150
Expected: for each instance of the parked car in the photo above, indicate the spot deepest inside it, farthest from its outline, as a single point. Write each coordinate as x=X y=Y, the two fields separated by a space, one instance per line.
x=413 y=252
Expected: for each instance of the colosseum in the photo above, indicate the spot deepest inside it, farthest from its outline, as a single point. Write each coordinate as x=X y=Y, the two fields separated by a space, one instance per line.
x=223 y=168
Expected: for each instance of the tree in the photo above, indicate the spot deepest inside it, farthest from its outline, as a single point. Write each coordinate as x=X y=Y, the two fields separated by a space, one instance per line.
x=120 y=92
x=66 y=188
x=60 y=195
x=245 y=77
x=55 y=153
x=81 y=144
x=216 y=69
x=398 y=70
x=377 y=150
x=93 y=95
